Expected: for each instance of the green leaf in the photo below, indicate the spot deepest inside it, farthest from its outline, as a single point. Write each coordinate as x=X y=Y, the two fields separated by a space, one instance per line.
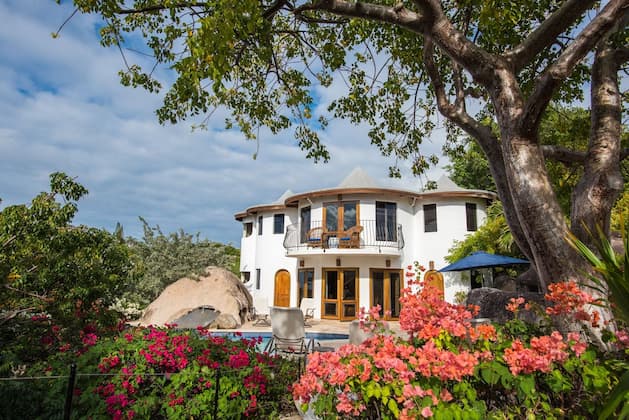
x=618 y=395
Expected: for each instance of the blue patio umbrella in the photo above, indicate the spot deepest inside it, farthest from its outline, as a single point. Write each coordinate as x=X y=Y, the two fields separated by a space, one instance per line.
x=481 y=259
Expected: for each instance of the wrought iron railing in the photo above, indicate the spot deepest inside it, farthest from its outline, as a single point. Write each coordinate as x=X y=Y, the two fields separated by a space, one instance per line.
x=372 y=235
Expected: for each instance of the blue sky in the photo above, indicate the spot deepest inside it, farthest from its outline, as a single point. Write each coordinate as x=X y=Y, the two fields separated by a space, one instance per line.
x=62 y=109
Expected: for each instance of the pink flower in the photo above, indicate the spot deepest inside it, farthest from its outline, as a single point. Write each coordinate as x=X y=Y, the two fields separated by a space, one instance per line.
x=426 y=412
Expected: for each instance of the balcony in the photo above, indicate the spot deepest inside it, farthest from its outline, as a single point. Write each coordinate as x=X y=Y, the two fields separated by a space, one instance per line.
x=369 y=238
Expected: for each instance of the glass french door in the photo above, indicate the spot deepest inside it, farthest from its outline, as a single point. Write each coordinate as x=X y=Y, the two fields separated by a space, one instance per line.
x=340 y=293
x=386 y=287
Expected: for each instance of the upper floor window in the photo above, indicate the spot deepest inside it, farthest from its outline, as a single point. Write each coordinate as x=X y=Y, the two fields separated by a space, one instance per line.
x=248 y=228
x=386 y=224
x=430 y=217
x=260 y=225
x=278 y=223
x=470 y=216
x=257 y=279
x=340 y=216
x=304 y=220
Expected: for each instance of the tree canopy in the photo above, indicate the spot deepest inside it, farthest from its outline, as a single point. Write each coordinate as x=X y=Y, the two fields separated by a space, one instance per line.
x=58 y=280
x=490 y=68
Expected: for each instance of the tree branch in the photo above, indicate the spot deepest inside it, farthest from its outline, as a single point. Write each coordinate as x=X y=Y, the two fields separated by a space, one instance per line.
x=454 y=113
x=160 y=7
x=398 y=16
x=598 y=28
x=621 y=55
x=546 y=33
x=562 y=154
x=44 y=298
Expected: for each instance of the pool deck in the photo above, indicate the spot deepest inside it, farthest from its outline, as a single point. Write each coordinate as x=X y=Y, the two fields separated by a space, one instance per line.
x=316 y=326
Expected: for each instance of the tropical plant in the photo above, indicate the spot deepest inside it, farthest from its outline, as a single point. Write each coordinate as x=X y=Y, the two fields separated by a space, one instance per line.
x=611 y=271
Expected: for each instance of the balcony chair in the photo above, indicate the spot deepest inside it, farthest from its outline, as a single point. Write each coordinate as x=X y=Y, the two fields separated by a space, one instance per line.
x=314 y=237
x=350 y=238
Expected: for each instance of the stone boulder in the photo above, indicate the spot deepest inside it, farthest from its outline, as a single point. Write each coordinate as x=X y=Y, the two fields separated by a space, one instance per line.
x=217 y=288
x=225 y=322
x=493 y=303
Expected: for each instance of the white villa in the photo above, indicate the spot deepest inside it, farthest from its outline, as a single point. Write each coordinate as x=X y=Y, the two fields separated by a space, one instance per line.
x=348 y=246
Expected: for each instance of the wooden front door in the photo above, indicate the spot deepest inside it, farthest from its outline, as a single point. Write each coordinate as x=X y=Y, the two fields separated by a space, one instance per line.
x=282 y=289
x=340 y=293
x=386 y=288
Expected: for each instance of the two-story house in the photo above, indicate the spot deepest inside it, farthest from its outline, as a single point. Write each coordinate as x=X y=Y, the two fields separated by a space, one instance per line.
x=348 y=246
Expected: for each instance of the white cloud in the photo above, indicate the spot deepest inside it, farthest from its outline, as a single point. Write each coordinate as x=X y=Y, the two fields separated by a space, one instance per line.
x=62 y=109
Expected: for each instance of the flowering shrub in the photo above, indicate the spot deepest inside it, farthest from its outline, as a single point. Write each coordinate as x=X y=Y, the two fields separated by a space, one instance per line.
x=167 y=373
x=448 y=368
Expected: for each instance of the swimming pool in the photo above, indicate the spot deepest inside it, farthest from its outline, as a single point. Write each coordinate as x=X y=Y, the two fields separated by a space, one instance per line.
x=319 y=337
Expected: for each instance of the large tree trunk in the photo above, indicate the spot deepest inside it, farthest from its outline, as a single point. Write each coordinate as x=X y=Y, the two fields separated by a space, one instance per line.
x=538 y=211
x=601 y=183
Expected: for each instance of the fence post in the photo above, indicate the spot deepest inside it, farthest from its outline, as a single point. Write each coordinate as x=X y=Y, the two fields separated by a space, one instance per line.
x=70 y=392
x=218 y=385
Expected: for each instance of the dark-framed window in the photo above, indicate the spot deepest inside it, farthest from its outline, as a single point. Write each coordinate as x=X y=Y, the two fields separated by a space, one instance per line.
x=278 y=223
x=430 y=217
x=260 y=219
x=245 y=276
x=305 y=283
x=470 y=217
x=257 y=279
x=248 y=228
x=386 y=222
x=304 y=220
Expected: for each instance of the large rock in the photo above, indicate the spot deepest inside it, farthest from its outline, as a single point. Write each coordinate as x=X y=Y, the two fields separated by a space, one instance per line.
x=225 y=322
x=493 y=303
x=218 y=288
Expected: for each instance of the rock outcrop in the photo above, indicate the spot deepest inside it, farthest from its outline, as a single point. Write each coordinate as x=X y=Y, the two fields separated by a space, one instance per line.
x=493 y=302
x=218 y=288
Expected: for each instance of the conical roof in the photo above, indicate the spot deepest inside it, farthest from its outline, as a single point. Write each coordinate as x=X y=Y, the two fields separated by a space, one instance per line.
x=446 y=184
x=358 y=178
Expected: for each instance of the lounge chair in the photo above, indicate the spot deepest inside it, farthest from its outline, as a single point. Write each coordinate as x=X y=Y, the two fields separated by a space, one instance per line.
x=289 y=333
x=261 y=311
x=307 y=307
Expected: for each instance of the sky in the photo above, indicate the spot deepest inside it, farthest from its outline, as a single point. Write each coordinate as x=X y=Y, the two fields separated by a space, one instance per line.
x=62 y=108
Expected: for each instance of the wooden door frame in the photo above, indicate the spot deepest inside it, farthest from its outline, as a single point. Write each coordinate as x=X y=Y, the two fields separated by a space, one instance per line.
x=387 y=279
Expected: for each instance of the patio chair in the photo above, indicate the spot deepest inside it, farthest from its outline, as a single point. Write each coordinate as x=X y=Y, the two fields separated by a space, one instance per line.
x=350 y=238
x=307 y=307
x=261 y=311
x=314 y=237
x=289 y=333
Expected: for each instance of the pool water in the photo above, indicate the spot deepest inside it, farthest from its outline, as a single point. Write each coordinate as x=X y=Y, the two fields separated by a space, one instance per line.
x=320 y=338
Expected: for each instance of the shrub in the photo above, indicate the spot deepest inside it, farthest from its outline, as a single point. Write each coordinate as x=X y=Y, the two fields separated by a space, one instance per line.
x=448 y=368
x=169 y=373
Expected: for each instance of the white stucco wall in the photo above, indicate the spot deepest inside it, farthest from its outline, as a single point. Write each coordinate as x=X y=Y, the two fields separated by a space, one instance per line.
x=267 y=253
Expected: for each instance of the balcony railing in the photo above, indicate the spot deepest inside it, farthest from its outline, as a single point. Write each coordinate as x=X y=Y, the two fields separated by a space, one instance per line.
x=368 y=234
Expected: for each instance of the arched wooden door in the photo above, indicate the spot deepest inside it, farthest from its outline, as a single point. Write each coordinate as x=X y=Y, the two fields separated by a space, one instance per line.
x=434 y=279
x=282 y=289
